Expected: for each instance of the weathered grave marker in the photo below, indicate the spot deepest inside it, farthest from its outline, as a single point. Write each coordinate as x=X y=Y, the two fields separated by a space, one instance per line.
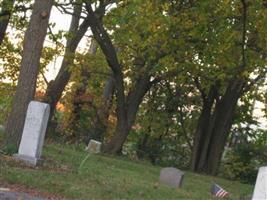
x=171 y=176
x=32 y=140
x=94 y=146
x=260 y=190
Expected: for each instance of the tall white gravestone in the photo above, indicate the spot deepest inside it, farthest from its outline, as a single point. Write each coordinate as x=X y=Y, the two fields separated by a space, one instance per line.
x=32 y=140
x=260 y=190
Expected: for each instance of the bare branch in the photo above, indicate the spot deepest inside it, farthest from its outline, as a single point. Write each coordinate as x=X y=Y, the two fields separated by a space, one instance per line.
x=244 y=31
x=62 y=9
x=46 y=81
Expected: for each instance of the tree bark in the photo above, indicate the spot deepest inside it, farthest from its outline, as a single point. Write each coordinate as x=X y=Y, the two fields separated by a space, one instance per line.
x=32 y=49
x=202 y=133
x=5 y=14
x=125 y=123
x=213 y=129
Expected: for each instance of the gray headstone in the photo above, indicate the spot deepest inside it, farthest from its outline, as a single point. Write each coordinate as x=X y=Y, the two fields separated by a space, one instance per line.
x=32 y=140
x=94 y=146
x=171 y=176
x=260 y=189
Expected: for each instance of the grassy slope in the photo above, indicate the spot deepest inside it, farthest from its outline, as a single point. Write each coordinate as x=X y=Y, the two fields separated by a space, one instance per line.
x=103 y=177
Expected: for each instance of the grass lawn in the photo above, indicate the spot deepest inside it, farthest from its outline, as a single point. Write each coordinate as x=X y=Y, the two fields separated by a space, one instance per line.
x=104 y=177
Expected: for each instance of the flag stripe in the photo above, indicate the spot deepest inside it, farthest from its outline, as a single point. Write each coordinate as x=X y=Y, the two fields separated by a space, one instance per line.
x=217 y=191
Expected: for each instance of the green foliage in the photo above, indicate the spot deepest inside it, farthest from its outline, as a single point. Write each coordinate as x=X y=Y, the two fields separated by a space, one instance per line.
x=6 y=92
x=10 y=54
x=243 y=160
x=83 y=96
x=10 y=149
x=21 y=15
x=166 y=122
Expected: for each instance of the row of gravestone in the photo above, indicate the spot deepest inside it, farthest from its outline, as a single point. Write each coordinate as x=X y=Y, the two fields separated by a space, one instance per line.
x=174 y=178
x=31 y=145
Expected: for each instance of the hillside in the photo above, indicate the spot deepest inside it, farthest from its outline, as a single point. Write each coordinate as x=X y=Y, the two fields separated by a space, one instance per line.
x=105 y=177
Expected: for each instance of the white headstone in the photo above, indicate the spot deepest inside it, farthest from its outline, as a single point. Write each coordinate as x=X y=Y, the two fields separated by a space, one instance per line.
x=94 y=146
x=171 y=176
x=260 y=190
x=32 y=140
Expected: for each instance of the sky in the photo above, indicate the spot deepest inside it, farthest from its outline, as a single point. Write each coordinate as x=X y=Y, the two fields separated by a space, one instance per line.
x=62 y=22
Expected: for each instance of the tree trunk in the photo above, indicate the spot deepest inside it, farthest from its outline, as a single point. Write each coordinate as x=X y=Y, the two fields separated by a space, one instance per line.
x=100 y=122
x=114 y=146
x=56 y=87
x=5 y=14
x=213 y=129
x=32 y=49
x=124 y=124
x=202 y=134
x=142 y=144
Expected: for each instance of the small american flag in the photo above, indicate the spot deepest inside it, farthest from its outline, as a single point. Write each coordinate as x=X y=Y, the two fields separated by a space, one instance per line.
x=218 y=191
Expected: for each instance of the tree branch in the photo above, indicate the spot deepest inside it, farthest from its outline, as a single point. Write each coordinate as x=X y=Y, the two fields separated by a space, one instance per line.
x=46 y=81
x=63 y=10
x=200 y=89
x=103 y=39
x=165 y=76
x=244 y=31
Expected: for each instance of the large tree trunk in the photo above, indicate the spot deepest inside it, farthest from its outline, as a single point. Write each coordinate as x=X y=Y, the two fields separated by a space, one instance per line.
x=114 y=146
x=202 y=133
x=56 y=87
x=125 y=123
x=213 y=129
x=32 y=49
x=5 y=14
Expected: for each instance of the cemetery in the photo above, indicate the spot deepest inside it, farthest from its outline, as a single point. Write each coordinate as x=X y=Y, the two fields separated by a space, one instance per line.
x=133 y=99
x=110 y=177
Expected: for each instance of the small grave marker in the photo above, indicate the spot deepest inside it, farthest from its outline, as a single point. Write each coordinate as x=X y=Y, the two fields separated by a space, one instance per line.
x=171 y=176
x=94 y=146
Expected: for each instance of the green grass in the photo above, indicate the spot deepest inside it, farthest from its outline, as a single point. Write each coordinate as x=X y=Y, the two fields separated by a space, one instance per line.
x=104 y=177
